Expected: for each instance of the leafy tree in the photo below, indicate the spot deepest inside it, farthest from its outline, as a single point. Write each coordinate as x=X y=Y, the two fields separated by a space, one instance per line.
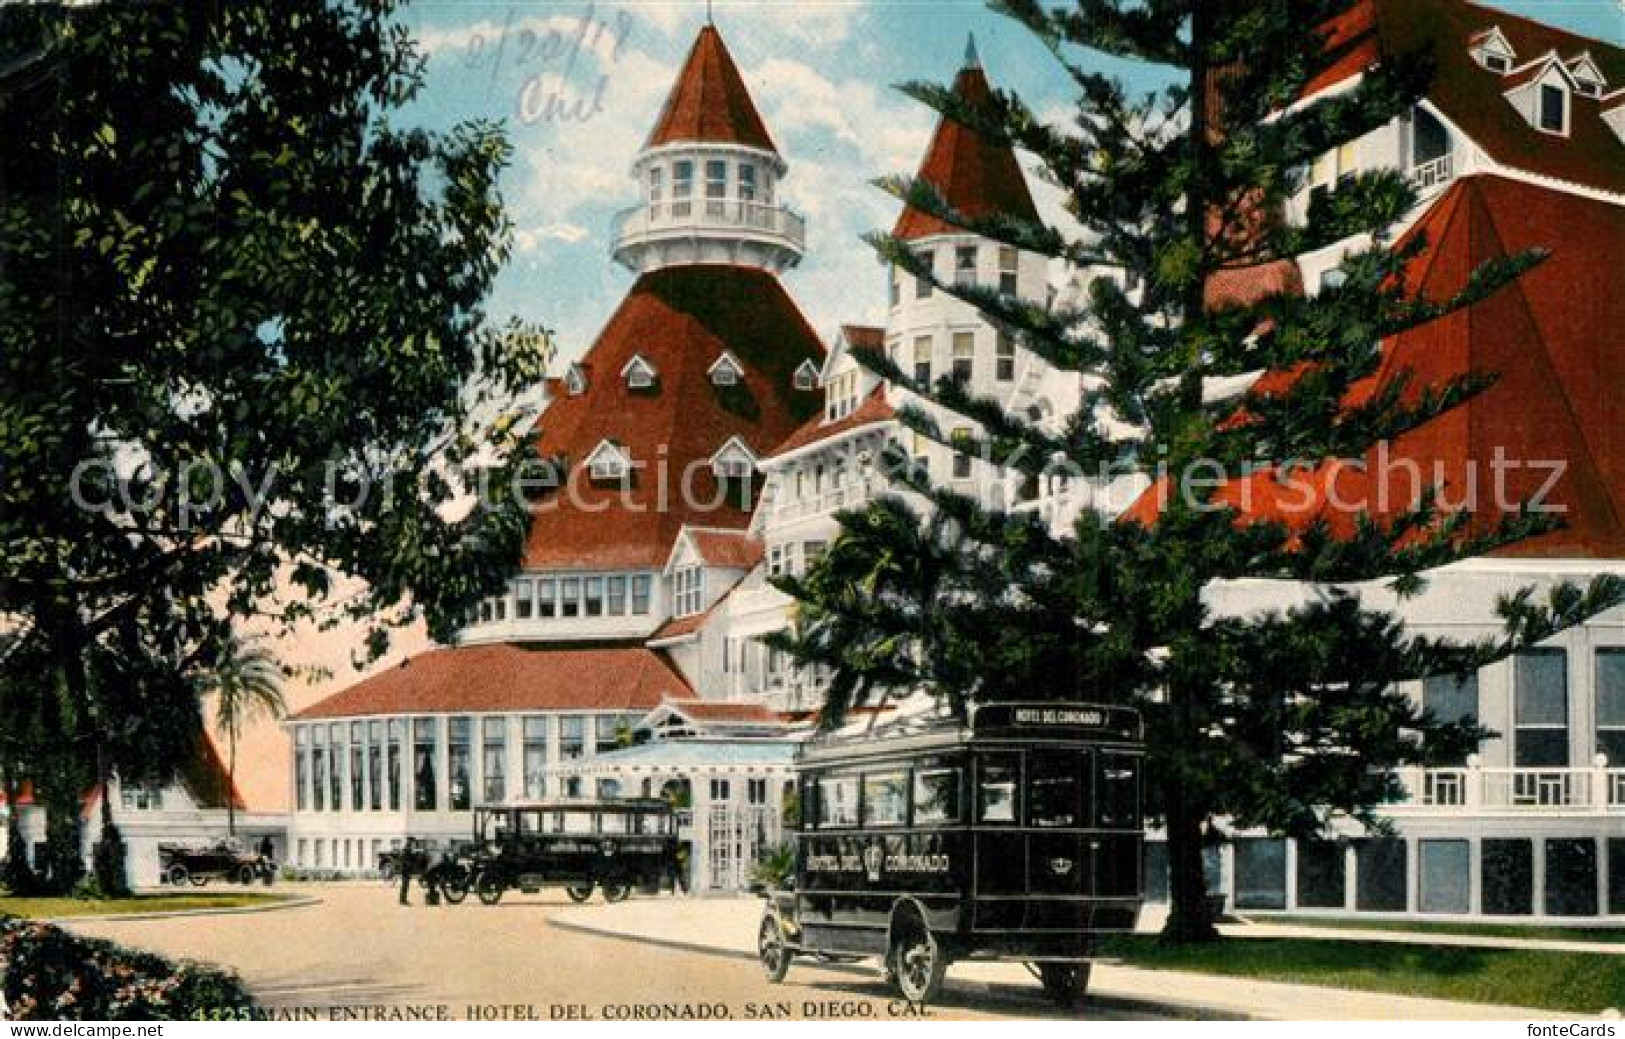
x=245 y=679
x=1285 y=719
x=244 y=361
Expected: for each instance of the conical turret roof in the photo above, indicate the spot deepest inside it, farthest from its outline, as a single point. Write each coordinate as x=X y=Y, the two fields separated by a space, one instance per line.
x=978 y=175
x=709 y=102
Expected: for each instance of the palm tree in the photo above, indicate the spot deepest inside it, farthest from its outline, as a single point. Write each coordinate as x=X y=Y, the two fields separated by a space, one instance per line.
x=246 y=680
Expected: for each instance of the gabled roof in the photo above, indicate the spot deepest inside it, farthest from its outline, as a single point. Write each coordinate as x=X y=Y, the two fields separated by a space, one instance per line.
x=868 y=337
x=716 y=713
x=680 y=319
x=509 y=678
x=1551 y=339
x=728 y=549
x=709 y=101
x=978 y=176
x=1469 y=94
x=874 y=410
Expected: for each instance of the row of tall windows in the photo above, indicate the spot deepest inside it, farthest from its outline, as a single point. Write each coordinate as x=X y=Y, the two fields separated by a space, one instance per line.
x=749 y=183
x=373 y=752
x=1540 y=708
x=967 y=266
x=962 y=358
x=574 y=595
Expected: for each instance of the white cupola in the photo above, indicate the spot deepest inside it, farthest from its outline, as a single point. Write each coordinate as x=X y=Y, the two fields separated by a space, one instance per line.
x=709 y=175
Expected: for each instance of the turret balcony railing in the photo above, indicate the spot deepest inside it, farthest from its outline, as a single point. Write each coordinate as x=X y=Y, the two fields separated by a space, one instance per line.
x=701 y=215
x=1467 y=790
x=1433 y=173
x=841 y=496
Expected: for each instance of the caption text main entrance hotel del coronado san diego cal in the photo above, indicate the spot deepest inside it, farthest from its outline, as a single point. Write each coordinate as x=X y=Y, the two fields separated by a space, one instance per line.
x=623 y=658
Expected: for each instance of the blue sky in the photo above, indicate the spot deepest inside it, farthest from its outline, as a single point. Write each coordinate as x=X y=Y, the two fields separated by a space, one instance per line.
x=578 y=84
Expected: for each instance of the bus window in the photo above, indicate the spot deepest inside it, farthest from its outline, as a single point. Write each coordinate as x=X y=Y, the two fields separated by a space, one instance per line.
x=1119 y=791
x=936 y=796
x=1057 y=788
x=997 y=779
x=883 y=799
x=529 y=823
x=838 y=801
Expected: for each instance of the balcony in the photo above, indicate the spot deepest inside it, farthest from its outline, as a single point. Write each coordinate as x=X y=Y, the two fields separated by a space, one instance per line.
x=1433 y=174
x=1512 y=791
x=842 y=496
x=773 y=229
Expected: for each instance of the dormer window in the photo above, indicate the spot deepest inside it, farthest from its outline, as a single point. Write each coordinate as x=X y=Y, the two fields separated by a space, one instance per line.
x=688 y=591
x=639 y=373
x=726 y=371
x=806 y=377
x=1554 y=109
x=1588 y=78
x=575 y=381
x=734 y=461
x=1491 y=49
x=608 y=462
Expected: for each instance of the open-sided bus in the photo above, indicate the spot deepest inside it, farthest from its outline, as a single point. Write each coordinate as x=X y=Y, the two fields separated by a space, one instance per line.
x=1015 y=837
x=612 y=845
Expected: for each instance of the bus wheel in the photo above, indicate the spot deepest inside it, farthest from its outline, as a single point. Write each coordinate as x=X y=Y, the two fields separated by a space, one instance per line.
x=245 y=875
x=578 y=892
x=454 y=888
x=616 y=890
x=1064 y=983
x=917 y=959
x=772 y=951
x=489 y=887
x=177 y=875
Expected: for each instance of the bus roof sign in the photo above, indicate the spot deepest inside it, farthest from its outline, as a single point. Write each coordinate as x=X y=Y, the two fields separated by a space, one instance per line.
x=1068 y=718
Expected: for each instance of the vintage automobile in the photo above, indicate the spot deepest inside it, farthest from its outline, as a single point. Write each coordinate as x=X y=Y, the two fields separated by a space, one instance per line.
x=1016 y=836
x=222 y=861
x=453 y=863
x=615 y=846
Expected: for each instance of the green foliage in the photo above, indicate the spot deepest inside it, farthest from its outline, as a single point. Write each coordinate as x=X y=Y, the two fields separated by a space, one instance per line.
x=774 y=867
x=108 y=865
x=1285 y=719
x=245 y=370
x=49 y=975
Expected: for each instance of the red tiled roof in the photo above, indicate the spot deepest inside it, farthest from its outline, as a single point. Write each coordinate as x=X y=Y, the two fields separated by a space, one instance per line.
x=204 y=775
x=1551 y=338
x=874 y=410
x=868 y=337
x=1471 y=95
x=724 y=711
x=509 y=678
x=709 y=101
x=678 y=627
x=679 y=319
x=731 y=549
x=1246 y=286
x=979 y=177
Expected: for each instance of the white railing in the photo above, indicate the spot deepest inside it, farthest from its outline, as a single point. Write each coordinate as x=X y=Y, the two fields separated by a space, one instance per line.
x=711 y=214
x=1434 y=172
x=840 y=496
x=1550 y=790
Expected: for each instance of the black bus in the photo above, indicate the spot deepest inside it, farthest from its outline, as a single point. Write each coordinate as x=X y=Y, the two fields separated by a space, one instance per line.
x=1016 y=836
x=614 y=845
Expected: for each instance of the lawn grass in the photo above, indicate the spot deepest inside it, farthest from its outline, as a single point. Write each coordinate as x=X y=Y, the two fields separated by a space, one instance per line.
x=52 y=908
x=1544 y=932
x=1572 y=981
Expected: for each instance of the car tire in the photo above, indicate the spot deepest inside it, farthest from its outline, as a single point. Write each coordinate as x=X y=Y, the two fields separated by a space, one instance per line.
x=918 y=960
x=454 y=889
x=772 y=950
x=245 y=875
x=578 y=893
x=198 y=880
x=1064 y=983
x=177 y=875
x=489 y=888
x=615 y=890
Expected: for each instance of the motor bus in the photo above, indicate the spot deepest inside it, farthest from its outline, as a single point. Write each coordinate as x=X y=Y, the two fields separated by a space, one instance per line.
x=1015 y=835
x=616 y=846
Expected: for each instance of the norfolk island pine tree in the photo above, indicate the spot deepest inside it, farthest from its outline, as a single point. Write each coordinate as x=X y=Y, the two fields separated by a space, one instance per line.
x=1284 y=719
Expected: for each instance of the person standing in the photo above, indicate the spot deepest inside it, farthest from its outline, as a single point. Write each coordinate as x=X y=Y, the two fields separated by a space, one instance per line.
x=408 y=865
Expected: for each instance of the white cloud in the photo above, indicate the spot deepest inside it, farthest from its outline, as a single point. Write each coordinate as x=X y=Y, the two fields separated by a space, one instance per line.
x=530 y=239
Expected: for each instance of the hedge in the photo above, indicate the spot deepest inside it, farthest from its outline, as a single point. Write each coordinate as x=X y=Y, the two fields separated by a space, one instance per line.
x=50 y=975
